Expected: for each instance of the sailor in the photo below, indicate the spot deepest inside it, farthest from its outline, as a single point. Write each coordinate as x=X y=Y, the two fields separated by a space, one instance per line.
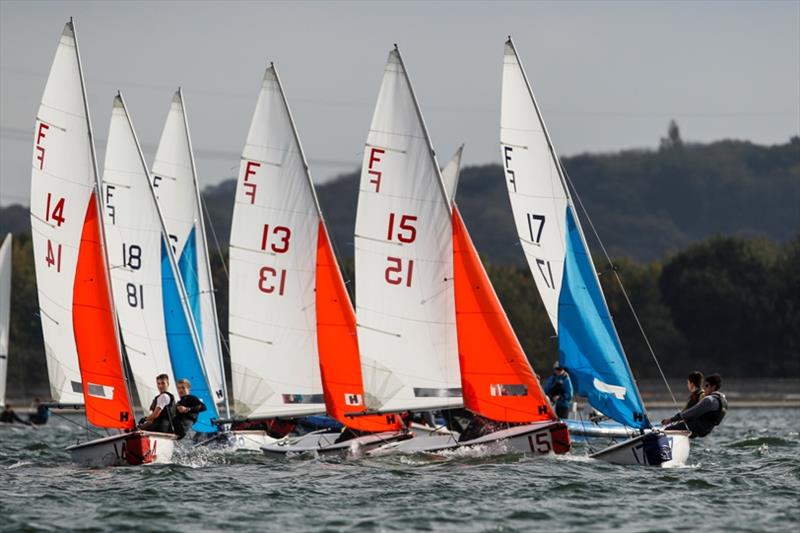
x=162 y=409
x=694 y=384
x=559 y=389
x=9 y=416
x=41 y=415
x=706 y=415
x=188 y=407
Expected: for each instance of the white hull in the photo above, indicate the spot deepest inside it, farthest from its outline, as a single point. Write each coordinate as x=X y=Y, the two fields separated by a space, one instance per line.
x=539 y=439
x=240 y=441
x=125 y=449
x=325 y=444
x=632 y=451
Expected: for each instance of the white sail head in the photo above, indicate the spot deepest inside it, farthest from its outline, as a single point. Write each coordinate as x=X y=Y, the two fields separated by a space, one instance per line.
x=134 y=239
x=538 y=196
x=273 y=246
x=404 y=260
x=177 y=191
x=450 y=174
x=62 y=182
x=5 y=312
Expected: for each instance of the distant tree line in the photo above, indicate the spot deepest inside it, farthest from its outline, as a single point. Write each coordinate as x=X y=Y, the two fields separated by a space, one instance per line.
x=727 y=304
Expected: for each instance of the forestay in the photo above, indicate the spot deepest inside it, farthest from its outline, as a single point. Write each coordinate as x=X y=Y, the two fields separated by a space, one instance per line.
x=404 y=260
x=155 y=322
x=558 y=256
x=273 y=250
x=175 y=184
x=5 y=312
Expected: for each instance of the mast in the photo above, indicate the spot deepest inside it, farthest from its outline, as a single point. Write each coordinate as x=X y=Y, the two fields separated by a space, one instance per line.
x=171 y=256
x=202 y=232
x=99 y=207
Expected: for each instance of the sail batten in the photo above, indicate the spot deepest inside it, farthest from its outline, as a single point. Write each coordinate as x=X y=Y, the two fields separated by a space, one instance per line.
x=403 y=258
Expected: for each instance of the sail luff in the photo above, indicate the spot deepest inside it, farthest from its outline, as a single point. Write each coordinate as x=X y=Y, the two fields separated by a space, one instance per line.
x=182 y=296
x=205 y=253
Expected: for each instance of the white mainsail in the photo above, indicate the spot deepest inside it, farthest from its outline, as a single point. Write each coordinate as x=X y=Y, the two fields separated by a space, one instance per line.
x=62 y=184
x=134 y=238
x=538 y=196
x=175 y=183
x=5 y=312
x=404 y=260
x=273 y=249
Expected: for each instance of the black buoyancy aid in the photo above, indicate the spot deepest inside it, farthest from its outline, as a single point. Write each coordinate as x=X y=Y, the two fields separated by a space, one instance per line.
x=167 y=414
x=191 y=402
x=703 y=425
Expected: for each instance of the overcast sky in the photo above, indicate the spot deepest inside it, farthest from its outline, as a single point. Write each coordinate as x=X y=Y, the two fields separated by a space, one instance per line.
x=608 y=75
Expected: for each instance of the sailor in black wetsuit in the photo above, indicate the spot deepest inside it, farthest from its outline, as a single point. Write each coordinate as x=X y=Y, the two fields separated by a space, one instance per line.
x=10 y=417
x=162 y=409
x=188 y=407
x=706 y=415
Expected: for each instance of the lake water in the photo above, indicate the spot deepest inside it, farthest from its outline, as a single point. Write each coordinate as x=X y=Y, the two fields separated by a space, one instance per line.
x=745 y=476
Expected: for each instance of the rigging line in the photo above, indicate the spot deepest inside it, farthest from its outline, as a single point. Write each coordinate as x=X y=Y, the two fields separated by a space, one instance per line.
x=86 y=427
x=619 y=282
x=214 y=236
x=223 y=338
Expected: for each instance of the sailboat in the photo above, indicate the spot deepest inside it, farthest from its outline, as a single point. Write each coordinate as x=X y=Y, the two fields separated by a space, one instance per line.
x=79 y=326
x=273 y=250
x=500 y=387
x=405 y=305
x=158 y=331
x=174 y=180
x=5 y=312
x=559 y=260
x=334 y=342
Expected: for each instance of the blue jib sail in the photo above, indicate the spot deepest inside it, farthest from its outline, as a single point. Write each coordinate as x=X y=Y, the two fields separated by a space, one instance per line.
x=187 y=265
x=183 y=355
x=588 y=344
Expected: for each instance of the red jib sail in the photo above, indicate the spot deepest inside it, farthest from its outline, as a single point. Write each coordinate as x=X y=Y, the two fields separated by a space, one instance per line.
x=338 y=347
x=498 y=382
x=104 y=389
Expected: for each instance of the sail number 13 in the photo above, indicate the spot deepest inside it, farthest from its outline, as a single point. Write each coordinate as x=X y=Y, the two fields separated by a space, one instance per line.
x=276 y=240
